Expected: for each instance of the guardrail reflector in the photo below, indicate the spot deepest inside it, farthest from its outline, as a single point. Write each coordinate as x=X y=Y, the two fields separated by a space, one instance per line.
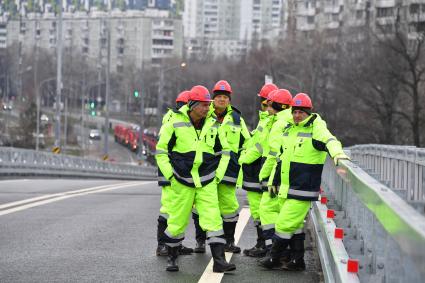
x=339 y=233
x=323 y=200
x=330 y=213
x=353 y=266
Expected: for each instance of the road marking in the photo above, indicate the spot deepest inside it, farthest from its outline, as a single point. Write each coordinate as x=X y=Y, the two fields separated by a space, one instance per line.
x=211 y=277
x=33 y=202
x=13 y=180
x=34 y=199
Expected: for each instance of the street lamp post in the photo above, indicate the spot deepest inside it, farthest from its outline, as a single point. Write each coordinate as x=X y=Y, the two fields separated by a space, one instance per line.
x=160 y=97
x=59 y=75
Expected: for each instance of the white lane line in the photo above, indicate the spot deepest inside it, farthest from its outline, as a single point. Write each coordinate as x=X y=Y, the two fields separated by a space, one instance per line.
x=211 y=277
x=13 y=180
x=19 y=202
x=73 y=194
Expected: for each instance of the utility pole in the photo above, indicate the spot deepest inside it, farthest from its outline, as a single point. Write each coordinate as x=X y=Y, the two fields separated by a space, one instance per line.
x=142 y=121
x=83 y=96
x=37 y=95
x=107 y=75
x=59 y=76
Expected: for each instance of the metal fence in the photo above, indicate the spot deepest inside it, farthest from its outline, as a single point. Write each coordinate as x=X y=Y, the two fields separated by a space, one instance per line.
x=402 y=168
x=23 y=162
x=381 y=230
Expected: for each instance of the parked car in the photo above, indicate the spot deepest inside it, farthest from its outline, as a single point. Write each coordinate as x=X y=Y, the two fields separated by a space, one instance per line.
x=94 y=134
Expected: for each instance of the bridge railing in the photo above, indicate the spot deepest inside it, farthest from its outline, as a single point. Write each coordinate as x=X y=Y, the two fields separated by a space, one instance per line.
x=23 y=162
x=402 y=168
x=380 y=230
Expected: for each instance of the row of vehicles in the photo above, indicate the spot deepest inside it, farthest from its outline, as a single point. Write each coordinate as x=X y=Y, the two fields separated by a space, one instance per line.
x=128 y=136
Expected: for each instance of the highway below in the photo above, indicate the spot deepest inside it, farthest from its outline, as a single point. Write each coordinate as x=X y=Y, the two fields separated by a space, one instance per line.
x=71 y=230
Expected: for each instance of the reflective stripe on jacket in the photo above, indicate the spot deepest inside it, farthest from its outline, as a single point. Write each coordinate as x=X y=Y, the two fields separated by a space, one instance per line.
x=189 y=154
x=304 y=152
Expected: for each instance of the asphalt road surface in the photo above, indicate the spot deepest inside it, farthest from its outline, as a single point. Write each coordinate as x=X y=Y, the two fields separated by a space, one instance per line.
x=105 y=231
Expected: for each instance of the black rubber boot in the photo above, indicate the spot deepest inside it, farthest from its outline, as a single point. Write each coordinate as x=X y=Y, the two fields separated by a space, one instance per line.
x=260 y=247
x=220 y=263
x=229 y=233
x=200 y=247
x=173 y=253
x=201 y=235
x=183 y=250
x=161 y=250
x=273 y=260
x=297 y=254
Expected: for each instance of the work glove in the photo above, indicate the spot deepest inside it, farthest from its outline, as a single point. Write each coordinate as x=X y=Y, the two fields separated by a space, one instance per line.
x=273 y=191
x=339 y=157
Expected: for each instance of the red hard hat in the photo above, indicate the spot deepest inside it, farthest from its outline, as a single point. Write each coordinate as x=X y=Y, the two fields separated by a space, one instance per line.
x=302 y=100
x=200 y=93
x=183 y=96
x=266 y=89
x=222 y=86
x=281 y=96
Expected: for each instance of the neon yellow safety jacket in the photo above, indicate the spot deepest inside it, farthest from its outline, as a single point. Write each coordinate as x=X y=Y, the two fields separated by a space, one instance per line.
x=251 y=157
x=162 y=182
x=304 y=148
x=237 y=136
x=272 y=144
x=194 y=157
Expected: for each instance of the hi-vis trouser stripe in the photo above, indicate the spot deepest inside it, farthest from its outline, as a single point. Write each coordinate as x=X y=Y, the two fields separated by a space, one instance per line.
x=173 y=241
x=214 y=237
x=268 y=231
x=233 y=217
x=164 y=215
x=288 y=235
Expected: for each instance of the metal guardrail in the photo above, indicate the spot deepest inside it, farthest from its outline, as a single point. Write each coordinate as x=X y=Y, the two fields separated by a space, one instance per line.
x=402 y=168
x=24 y=162
x=381 y=230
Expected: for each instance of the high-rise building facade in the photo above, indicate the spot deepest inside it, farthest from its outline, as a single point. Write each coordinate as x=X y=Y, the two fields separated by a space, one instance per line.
x=220 y=27
x=136 y=37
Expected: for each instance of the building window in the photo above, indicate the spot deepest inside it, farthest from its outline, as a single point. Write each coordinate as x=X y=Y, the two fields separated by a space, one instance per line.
x=310 y=19
x=384 y=12
x=85 y=50
x=120 y=50
x=162 y=42
x=414 y=8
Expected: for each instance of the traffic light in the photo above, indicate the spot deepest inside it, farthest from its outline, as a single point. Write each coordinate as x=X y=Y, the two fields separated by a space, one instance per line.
x=93 y=113
x=92 y=105
x=136 y=93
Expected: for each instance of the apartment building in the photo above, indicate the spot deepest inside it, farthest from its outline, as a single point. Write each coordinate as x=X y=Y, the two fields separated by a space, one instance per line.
x=137 y=37
x=219 y=27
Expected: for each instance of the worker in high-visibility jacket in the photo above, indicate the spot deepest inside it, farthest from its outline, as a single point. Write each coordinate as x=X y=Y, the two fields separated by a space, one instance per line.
x=279 y=107
x=192 y=153
x=166 y=194
x=237 y=135
x=305 y=141
x=251 y=160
